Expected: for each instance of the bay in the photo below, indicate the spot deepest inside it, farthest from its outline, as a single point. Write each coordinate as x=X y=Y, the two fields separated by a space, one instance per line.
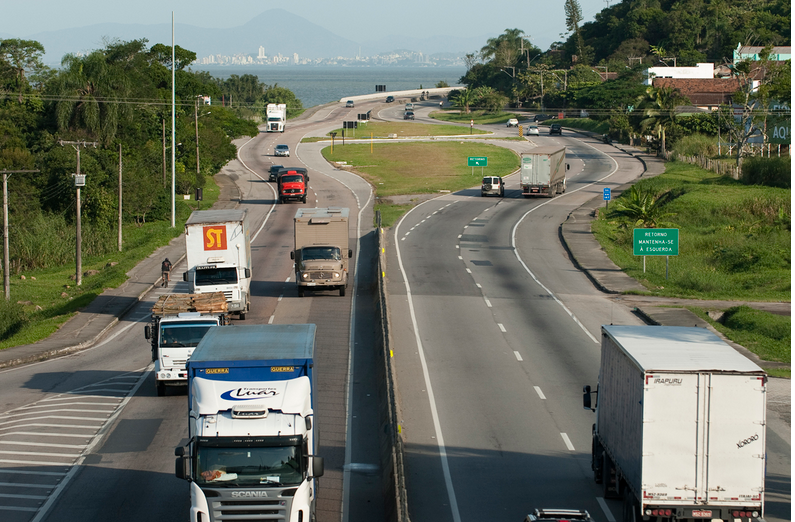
x=317 y=85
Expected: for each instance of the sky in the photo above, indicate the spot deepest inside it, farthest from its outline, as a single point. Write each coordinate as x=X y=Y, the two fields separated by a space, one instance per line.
x=359 y=20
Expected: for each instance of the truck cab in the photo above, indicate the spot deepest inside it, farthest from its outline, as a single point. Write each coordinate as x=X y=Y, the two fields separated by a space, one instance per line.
x=321 y=249
x=293 y=184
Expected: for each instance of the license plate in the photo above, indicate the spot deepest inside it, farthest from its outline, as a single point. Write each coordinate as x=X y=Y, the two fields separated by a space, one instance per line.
x=702 y=514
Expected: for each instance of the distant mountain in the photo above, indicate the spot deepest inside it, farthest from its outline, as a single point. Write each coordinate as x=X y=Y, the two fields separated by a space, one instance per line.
x=295 y=35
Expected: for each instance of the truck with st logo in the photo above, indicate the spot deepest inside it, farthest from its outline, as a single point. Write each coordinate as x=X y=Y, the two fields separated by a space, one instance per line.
x=680 y=426
x=218 y=255
x=178 y=323
x=251 y=446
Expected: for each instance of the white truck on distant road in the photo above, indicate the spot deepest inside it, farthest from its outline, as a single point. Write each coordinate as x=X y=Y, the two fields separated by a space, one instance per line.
x=321 y=250
x=218 y=253
x=680 y=426
x=250 y=452
x=543 y=171
x=178 y=323
x=276 y=116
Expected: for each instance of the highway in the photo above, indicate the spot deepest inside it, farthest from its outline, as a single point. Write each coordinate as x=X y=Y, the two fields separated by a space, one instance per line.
x=494 y=335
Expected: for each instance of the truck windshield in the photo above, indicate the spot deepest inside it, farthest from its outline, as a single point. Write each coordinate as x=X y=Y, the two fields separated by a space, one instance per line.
x=295 y=178
x=216 y=276
x=235 y=466
x=325 y=253
x=276 y=118
x=181 y=335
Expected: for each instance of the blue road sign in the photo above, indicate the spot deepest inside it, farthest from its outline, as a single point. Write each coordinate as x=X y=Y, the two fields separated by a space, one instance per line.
x=606 y=194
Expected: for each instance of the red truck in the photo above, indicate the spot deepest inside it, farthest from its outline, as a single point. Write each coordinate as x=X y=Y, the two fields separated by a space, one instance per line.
x=293 y=184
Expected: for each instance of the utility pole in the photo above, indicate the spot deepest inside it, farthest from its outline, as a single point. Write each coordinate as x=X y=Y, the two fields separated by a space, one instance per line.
x=80 y=181
x=164 y=152
x=173 y=131
x=120 y=192
x=6 y=255
x=196 y=121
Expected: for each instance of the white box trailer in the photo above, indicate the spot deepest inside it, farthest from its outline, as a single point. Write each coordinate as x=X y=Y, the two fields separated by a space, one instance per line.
x=543 y=171
x=276 y=115
x=680 y=425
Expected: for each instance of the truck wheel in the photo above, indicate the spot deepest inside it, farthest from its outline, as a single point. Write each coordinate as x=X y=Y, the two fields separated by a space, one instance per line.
x=300 y=292
x=161 y=388
x=596 y=459
x=342 y=291
x=303 y=199
x=242 y=316
x=631 y=511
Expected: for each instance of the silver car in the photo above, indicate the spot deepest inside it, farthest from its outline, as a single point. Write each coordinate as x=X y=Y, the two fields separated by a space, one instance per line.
x=282 y=150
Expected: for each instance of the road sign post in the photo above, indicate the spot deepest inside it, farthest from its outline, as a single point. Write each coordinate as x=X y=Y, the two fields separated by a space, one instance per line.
x=655 y=242
x=606 y=196
x=477 y=161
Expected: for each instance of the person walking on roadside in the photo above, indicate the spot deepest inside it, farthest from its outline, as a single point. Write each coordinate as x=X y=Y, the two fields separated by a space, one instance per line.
x=165 y=268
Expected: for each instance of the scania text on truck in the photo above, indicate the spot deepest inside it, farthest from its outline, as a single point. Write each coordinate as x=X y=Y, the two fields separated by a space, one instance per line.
x=276 y=115
x=680 y=426
x=218 y=253
x=178 y=323
x=293 y=184
x=321 y=249
x=543 y=171
x=251 y=445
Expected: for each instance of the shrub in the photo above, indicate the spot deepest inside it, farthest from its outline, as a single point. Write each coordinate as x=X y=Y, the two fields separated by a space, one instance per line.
x=745 y=318
x=771 y=172
x=696 y=145
x=12 y=318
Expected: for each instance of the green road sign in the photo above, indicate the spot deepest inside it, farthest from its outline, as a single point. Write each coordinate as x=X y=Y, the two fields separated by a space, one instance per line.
x=655 y=241
x=477 y=161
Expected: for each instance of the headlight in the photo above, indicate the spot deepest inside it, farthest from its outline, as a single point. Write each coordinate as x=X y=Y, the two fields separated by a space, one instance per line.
x=305 y=275
x=336 y=275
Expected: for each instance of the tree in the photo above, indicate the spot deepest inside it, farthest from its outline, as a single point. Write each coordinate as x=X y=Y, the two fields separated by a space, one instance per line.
x=573 y=19
x=643 y=207
x=660 y=110
x=19 y=56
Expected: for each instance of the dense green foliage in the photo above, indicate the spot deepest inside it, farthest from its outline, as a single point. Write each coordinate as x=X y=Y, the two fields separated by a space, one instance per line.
x=772 y=172
x=734 y=240
x=114 y=105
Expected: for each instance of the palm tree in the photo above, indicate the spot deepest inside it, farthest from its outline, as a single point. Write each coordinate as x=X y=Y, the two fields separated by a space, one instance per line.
x=465 y=99
x=661 y=110
x=644 y=208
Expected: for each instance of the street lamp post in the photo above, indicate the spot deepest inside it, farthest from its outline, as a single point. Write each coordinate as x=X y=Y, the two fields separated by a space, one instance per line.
x=80 y=181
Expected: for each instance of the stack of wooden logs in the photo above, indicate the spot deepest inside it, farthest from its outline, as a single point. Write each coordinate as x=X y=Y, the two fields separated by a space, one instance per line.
x=214 y=302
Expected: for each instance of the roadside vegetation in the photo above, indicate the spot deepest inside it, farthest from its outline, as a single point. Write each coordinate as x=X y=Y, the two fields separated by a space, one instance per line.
x=480 y=117
x=402 y=129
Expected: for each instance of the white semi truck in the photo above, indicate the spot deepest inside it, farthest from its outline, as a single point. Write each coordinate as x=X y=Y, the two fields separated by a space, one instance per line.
x=321 y=249
x=276 y=115
x=178 y=323
x=251 y=426
x=543 y=171
x=680 y=426
x=218 y=253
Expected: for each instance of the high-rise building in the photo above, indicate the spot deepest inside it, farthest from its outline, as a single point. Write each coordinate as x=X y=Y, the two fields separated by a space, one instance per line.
x=261 y=54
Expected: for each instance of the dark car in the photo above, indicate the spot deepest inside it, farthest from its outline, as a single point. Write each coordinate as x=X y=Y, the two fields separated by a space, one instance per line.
x=558 y=515
x=555 y=128
x=408 y=115
x=273 y=173
x=542 y=117
x=390 y=99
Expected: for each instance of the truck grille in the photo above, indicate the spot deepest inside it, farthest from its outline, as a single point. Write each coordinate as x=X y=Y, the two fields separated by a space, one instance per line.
x=245 y=510
x=292 y=191
x=228 y=295
x=321 y=275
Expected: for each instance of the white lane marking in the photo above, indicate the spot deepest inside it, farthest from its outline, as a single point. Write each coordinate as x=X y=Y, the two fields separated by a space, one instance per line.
x=287 y=280
x=488 y=303
x=568 y=443
x=469 y=271
x=459 y=257
x=437 y=426
x=521 y=261
x=478 y=285
x=457 y=247
x=280 y=297
x=608 y=514
x=459 y=236
x=270 y=320
x=502 y=328
x=518 y=356
x=539 y=392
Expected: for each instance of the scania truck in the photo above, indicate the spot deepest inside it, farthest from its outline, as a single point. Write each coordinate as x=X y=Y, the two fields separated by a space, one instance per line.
x=543 y=171
x=680 y=426
x=218 y=253
x=276 y=114
x=178 y=323
x=321 y=250
x=251 y=445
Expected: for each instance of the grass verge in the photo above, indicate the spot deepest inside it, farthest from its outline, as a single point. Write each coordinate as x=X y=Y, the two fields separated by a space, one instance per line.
x=377 y=129
x=479 y=117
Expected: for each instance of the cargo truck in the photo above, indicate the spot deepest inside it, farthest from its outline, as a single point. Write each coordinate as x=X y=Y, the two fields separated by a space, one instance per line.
x=680 y=426
x=218 y=253
x=321 y=250
x=251 y=428
x=276 y=115
x=293 y=184
x=178 y=323
x=543 y=171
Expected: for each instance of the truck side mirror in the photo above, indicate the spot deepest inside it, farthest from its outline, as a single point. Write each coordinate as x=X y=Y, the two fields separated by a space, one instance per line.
x=586 y=397
x=350 y=253
x=184 y=276
x=308 y=423
x=247 y=273
x=317 y=467
x=568 y=166
x=147 y=332
x=181 y=464
x=292 y=255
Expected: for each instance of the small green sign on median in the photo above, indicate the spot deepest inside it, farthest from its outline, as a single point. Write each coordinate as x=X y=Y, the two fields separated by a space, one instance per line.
x=655 y=241
x=477 y=161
